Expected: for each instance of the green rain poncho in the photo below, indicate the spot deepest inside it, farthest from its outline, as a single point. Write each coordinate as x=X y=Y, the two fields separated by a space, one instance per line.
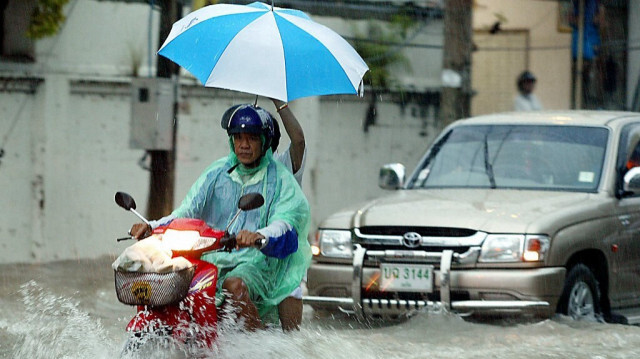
x=214 y=197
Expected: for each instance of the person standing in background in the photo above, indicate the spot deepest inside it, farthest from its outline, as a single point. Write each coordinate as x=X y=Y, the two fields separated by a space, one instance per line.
x=526 y=99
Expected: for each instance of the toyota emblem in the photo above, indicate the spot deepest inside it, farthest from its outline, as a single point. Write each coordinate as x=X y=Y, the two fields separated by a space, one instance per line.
x=411 y=240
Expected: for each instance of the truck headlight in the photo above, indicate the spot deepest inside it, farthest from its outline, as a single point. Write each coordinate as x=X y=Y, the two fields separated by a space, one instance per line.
x=335 y=243
x=502 y=248
x=514 y=248
x=535 y=248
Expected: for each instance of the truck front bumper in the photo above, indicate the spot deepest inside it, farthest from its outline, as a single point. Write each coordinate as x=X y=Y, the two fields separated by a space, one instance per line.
x=485 y=291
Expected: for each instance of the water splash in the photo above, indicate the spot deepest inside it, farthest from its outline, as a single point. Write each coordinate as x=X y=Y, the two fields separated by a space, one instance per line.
x=318 y=342
x=35 y=323
x=54 y=327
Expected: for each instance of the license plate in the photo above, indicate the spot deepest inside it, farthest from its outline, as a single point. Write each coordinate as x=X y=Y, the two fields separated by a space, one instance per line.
x=400 y=277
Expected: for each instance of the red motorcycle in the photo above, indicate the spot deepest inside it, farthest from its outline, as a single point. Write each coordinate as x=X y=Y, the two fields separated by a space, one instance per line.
x=176 y=309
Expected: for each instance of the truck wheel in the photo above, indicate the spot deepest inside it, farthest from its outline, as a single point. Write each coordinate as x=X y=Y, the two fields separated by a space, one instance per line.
x=580 y=297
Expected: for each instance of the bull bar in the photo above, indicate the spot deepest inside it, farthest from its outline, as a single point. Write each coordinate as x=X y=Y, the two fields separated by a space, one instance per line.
x=361 y=307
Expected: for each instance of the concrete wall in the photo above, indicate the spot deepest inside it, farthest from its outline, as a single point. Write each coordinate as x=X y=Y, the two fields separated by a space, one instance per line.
x=20 y=177
x=102 y=38
x=65 y=157
x=66 y=121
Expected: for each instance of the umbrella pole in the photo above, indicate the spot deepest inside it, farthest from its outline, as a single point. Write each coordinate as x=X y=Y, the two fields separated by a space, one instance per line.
x=255 y=104
x=271 y=5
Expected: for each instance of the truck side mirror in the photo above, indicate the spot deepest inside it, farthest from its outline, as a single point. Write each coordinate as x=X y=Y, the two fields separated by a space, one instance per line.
x=631 y=180
x=391 y=176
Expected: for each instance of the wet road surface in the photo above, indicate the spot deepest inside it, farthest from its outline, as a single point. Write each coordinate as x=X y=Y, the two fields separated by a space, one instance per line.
x=70 y=310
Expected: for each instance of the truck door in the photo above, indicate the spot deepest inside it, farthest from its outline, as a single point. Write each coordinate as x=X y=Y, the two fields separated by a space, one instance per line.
x=625 y=247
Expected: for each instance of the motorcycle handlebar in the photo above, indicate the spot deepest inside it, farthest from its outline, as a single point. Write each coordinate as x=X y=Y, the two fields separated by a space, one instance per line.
x=228 y=242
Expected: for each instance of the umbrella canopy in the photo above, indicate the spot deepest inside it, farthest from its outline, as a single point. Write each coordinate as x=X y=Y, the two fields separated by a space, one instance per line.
x=264 y=50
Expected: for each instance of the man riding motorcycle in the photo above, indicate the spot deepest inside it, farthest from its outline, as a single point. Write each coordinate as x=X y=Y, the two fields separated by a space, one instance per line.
x=293 y=156
x=254 y=281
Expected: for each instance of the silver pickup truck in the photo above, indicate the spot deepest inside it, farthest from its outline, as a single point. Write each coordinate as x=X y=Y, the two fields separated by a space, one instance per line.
x=516 y=213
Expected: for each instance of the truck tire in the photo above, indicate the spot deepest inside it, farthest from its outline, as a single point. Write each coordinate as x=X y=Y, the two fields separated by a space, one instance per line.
x=580 y=297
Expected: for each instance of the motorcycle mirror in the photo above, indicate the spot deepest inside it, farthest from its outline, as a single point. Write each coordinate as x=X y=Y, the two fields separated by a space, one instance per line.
x=246 y=203
x=250 y=201
x=125 y=201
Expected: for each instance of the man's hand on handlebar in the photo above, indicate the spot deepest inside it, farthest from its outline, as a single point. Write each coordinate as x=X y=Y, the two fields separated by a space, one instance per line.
x=246 y=238
x=140 y=231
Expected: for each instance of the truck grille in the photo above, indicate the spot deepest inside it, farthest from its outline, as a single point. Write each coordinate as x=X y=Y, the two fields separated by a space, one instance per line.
x=382 y=247
x=429 y=239
x=423 y=231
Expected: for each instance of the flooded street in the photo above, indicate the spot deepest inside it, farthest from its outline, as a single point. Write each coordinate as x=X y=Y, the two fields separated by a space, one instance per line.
x=483 y=151
x=69 y=310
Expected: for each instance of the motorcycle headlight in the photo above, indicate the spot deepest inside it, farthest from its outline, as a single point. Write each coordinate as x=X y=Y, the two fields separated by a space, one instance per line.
x=514 y=248
x=335 y=243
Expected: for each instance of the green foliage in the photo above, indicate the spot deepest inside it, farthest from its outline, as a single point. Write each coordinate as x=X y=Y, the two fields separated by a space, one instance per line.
x=46 y=18
x=381 y=50
x=401 y=23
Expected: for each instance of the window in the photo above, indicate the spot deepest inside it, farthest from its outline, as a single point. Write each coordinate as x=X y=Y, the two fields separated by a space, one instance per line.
x=516 y=156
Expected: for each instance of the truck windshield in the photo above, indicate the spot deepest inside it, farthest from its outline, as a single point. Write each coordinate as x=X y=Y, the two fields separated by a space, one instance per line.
x=515 y=156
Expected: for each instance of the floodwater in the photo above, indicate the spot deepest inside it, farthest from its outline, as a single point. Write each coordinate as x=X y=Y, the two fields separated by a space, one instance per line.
x=69 y=310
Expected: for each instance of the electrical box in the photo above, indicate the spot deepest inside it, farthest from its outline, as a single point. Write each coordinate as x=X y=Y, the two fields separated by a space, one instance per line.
x=152 y=113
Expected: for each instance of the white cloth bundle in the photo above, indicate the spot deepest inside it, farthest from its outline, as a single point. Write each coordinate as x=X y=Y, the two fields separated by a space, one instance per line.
x=149 y=255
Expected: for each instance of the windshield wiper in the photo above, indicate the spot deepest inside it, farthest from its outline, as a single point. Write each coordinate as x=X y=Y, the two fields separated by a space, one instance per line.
x=488 y=167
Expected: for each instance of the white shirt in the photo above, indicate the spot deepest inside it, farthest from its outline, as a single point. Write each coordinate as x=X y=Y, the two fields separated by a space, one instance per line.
x=528 y=102
x=285 y=158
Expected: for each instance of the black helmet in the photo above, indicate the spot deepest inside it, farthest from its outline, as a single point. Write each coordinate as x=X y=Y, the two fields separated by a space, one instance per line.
x=247 y=118
x=275 y=141
x=525 y=76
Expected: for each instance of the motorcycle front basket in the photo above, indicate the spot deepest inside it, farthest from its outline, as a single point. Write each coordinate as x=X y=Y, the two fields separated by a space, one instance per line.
x=153 y=289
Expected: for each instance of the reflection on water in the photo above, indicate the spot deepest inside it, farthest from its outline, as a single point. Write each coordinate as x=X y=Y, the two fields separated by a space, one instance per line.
x=69 y=310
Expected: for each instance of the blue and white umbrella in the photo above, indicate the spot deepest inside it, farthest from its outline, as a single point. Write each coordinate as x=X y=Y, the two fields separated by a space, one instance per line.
x=264 y=50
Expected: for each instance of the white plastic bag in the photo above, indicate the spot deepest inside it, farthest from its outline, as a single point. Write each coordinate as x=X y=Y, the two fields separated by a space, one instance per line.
x=149 y=255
